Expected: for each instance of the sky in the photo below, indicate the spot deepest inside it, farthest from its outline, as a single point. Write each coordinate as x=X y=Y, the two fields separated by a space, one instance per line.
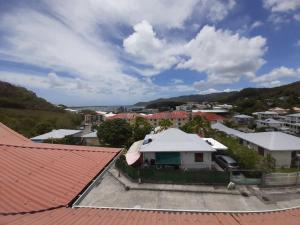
x=111 y=52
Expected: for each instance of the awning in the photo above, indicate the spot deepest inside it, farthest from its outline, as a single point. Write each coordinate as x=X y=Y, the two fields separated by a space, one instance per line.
x=133 y=154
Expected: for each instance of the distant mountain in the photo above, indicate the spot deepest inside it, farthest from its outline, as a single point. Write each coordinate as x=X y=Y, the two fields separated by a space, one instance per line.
x=247 y=100
x=190 y=98
x=12 y=96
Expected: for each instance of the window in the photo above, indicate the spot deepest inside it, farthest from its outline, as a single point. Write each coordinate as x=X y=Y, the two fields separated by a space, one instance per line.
x=198 y=157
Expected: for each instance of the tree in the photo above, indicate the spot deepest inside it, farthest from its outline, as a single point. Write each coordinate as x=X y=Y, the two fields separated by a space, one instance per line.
x=198 y=125
x=140 y=128
x=165 y=123
x=115 y=133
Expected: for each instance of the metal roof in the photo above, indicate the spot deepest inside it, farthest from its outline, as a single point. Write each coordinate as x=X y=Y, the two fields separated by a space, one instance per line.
x=37 y=177
x=175 y=140
x=92 y=216
x=8 y=135
x=215 y=144
x=90 y=135
x=56 y=134
x=242 y=116
x=273 y=141
x=294 y=115
x=225 y=129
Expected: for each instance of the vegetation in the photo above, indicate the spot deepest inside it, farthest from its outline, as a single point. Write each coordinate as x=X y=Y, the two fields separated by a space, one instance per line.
x=165 y=123
x=31 y=123
x=164 y=106
x=140 y=129
x=169 y=176
x=115 y=133
x=197 y=125
x=24 y=112
x=119 y=133
x=68 y=140
x=20 y=98
x=247 y=100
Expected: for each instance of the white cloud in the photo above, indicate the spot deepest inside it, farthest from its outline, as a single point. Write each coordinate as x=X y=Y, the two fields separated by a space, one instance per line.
x=256 y=24
x=177 y=81
x=223 y=63
x=276 y=74
x=144 y=45
x=281 y=5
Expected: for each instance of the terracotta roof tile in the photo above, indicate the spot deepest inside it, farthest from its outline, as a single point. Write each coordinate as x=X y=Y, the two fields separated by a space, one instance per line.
x=168 y=115
x=209 y=116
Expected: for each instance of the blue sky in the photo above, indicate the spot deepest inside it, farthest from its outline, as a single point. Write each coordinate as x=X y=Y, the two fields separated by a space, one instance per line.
x=108 y=52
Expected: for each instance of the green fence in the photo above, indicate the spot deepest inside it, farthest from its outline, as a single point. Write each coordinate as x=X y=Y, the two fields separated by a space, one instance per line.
x=153 y=175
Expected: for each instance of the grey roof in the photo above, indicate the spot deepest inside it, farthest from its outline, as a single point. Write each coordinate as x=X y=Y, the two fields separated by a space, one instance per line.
x=90 y=135
x=267 y=112
x=242 y=116
x=175 y=140
x=294 y=115
x=227 y=130
x=56 y=134
x=273 y=141
x=270 y=120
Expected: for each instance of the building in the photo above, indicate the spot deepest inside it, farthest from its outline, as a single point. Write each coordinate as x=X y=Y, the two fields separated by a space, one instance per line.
x=42 y=181
x=129 y=117
x=243 y=119
x=210 y=117
x=90 y=139
x=177 y=148
x=279 y=110
x=266 y=115
x=281 y=146
x=57 y=134
x=269 y=123
x=178 y=118
x=93 y=119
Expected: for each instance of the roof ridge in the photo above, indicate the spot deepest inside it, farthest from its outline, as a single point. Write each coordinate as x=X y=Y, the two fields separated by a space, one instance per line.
x=33 y=145
x=6 y=128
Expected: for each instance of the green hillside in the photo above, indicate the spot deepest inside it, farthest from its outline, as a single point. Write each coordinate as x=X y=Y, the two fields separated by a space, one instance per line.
x=30 y=115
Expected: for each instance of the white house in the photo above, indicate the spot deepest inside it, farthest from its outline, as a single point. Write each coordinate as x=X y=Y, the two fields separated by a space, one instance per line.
x=57 y=134
x=281 y=146
x=269 y=123
x=292 y=121
x=177 y=148
x=266 y=115
x=90 y=138
x=243 y=119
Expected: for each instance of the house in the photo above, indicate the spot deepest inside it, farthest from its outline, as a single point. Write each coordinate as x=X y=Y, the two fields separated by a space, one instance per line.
x=43 y=191
x=178 y=118
x=269 y=123
x=129 y=117
x=210 y=117
x=292 y=121
x=279 y=110
x=243 y=119
x=281 y=146
x=90 y=138
x=266 y=115
x=93 y=119
x=57 y=134
x=177 y=148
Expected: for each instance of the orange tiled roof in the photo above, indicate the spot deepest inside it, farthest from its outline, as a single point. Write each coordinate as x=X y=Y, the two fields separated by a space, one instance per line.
x=90 y=216
x=209 y=116
x=37 y=177
x=168 y=115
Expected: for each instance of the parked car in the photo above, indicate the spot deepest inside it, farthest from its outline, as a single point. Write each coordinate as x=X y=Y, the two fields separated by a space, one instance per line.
x=226 y=162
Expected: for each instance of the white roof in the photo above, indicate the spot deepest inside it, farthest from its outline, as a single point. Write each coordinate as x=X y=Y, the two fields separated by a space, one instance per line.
x=270 y=120
x=294 y=115
x=211 y=110
x=267 y=112
x=109 y=114
x=175 y=140
x=273 y=141
x=90 y=135
x=243 y=116
x=215 y=144
x=56 y=134
x=227 y=130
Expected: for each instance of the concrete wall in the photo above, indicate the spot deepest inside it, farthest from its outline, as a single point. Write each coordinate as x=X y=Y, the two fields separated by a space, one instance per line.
x=282 y=179
x=187 y=160
x=283 y=158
